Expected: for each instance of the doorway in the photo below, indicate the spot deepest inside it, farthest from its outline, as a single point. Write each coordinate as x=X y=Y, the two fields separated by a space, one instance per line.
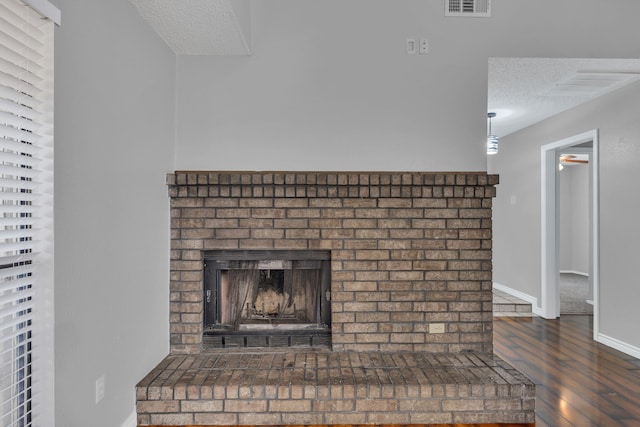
x=576 y=293
x=550 y=216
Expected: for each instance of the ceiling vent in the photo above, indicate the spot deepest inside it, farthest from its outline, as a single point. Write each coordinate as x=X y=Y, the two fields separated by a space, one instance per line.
x=475 y=8
x=589 y=84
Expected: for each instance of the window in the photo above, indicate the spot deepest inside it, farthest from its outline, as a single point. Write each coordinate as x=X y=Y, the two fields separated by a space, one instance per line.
x=26 y=206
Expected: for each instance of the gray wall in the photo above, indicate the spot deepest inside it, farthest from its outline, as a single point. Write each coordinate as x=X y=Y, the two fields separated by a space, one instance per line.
x=114 y=136
x=517 y=226
x=574 y=219
x=330 y=87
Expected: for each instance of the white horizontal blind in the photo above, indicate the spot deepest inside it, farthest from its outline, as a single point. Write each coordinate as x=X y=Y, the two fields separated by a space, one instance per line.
x=26 y=166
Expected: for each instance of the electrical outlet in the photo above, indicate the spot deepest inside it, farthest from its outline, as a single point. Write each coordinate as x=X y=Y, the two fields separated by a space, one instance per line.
x=424 y=46
x=436 y=328
x=99 y=389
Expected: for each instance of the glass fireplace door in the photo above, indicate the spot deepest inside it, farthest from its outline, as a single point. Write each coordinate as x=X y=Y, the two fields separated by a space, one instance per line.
x=266 y=289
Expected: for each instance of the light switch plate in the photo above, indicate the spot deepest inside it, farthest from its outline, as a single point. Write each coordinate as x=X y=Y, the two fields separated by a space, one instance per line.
x=412 y=47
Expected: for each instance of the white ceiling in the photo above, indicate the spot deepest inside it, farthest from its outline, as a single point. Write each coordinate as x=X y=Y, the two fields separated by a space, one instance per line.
x=521 y=91
x=524 y=91
x=199 y=27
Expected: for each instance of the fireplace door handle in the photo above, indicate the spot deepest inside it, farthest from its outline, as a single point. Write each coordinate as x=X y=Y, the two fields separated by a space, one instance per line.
x=208 y=295
x=327 y=295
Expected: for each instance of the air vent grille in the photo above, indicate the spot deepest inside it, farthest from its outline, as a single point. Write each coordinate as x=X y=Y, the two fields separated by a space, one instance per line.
x=477 y=8
x=589 y=84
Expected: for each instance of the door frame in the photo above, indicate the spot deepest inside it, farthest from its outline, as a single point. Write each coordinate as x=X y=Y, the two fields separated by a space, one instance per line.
x=550 y=274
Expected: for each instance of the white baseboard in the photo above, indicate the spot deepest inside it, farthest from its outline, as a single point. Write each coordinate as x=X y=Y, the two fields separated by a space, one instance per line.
x=579 y=273
x=619 y=345
x=518 y=294
x=131 y=421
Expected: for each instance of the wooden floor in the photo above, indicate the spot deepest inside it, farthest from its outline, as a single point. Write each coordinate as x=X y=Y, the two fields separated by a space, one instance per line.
x=578 y=381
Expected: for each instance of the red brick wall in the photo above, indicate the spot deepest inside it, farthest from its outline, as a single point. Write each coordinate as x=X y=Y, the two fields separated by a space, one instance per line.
x=411 y=252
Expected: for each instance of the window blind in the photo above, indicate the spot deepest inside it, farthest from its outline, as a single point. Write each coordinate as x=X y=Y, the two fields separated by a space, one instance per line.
x=26 y=201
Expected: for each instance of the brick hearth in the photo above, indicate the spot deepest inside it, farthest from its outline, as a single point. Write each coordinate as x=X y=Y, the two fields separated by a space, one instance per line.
x=410 y=282
x=307 y=387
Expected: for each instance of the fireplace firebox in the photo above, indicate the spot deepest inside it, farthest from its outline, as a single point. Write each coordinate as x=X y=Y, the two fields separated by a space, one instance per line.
x=267 y=299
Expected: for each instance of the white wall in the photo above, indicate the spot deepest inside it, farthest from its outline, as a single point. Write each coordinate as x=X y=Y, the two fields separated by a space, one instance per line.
x=574 y=219
x=242 y=11
x=330 y=87
x=114 y=135
x=517 y=226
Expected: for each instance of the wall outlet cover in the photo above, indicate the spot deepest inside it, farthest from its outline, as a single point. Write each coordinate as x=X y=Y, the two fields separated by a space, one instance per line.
x=99 y=389
x=436 y=328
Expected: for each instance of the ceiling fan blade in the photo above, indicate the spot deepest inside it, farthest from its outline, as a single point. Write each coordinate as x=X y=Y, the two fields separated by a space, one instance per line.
x=575 y=161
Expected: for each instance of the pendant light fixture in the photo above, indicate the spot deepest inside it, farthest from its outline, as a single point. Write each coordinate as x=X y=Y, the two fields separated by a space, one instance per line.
x=492 y=140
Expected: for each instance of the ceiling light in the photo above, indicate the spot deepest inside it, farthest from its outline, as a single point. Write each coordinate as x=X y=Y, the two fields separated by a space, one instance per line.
x=492 y=140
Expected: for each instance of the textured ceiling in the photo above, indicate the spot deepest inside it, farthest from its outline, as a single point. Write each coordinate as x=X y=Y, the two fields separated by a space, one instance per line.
x=199 y=27
x=521 y=91
x=524 y=91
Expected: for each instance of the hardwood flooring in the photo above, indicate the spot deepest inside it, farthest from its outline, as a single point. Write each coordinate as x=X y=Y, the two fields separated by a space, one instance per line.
x=578 y=381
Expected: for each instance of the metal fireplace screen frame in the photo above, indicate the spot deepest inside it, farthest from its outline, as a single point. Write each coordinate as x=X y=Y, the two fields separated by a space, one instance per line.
x=267 y=298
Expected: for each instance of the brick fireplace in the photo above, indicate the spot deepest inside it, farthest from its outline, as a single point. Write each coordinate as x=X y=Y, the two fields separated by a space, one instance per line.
x=410 y=275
